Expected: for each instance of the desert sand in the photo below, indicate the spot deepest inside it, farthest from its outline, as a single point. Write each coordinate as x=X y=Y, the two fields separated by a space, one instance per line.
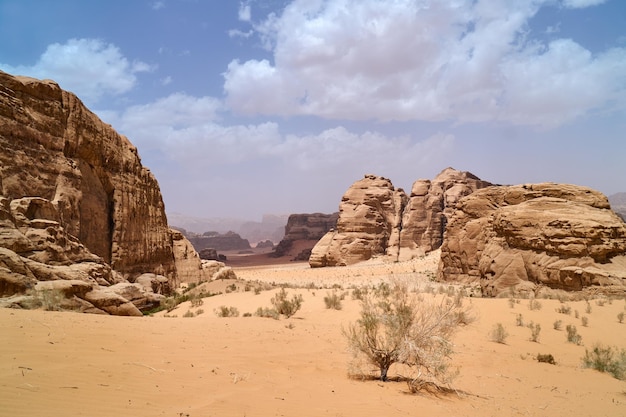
x=69 y=364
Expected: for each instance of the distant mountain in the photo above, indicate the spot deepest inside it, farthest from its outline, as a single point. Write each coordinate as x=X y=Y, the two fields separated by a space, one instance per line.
x=618 y=204
x=271 y=227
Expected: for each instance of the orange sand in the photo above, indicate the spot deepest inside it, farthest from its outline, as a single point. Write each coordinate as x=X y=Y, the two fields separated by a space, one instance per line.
x=68 y=364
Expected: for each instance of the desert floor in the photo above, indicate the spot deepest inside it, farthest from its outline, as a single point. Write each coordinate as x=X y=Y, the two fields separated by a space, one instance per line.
x=69 y=364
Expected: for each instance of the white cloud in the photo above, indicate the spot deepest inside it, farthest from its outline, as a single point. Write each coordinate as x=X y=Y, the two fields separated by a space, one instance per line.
x=166 y=80
x=580 y=4
x=90 y=68
x=245 y=13
x=429 y=60
x=158 y=5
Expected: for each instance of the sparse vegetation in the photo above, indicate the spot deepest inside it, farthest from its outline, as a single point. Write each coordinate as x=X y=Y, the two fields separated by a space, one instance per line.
x=498 y=333
x=564 y=309
x=394 y=328
x=534 y=304
x=285 y=306
x=333 y=300
x=557 y=324
x=572 y=335
x=535 y=329
x=584 y=321
x=620 y=317
x=267 y=312
x=519 y=320
x=224 y=311
x=606 y=359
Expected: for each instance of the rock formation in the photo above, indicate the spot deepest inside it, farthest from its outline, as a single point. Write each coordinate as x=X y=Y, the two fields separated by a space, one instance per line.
x=306 y=229
x=535 y=236
x=377 y=219
x=218 y=241
x=369 y=224
x=76 y=205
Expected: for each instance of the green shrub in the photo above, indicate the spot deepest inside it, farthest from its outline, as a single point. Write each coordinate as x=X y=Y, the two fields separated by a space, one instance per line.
x=535 y=329
x=606 y=359
x=224 y=311
x=572 y=335
x=267 y=312
x=333 y=300
x=285 y=306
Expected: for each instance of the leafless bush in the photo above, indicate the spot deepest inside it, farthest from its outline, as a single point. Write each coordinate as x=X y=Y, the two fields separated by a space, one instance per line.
x=394 y=328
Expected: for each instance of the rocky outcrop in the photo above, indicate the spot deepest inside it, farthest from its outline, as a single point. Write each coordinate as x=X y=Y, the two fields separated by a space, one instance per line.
x=53 y=147
x=369 y=224
x=377 y=219
x=306 y=229
x=218 y=241
x=536 y=236
x=76 y=205
x=431 y=204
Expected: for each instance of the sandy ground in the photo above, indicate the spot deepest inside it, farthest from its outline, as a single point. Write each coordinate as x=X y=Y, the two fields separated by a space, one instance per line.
x=63 y=363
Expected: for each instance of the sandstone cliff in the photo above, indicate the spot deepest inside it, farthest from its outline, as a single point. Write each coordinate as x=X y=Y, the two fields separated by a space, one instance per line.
x=53 y=147
x=79 y=213
x=306 y=229
x=532 y=236
x=377 y=219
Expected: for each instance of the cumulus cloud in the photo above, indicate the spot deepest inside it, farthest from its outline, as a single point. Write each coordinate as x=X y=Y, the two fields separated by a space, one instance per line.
x=244 y=13
x=90 y=68
x=429 y=60
x=580 y=4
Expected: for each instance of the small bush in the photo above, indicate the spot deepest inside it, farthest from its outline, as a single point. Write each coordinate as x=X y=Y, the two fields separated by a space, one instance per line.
x=588 y=308
x=606 y=359
x=535 y=329
x=547 y=358
x=224 y=311
x=557 y=324
x=564 y=309
x=333 y=300
x=267 y=312
x=188 y=314
x=519 y=320
x=197 y=302
x=498 y=333
x=572 y=335
x=585 y=321
x=359 y=293
x=620 y=317
x=534 y=304
x=285 y=306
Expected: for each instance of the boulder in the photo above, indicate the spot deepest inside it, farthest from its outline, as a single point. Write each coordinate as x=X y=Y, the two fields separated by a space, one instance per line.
x=558 y=236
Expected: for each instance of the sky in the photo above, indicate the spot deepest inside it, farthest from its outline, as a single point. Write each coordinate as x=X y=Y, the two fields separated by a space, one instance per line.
x=246 y=108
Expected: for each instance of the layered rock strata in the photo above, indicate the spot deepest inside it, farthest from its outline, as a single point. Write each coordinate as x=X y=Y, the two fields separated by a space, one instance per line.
x=306 y=229
x=376 y=219
x=530 y=237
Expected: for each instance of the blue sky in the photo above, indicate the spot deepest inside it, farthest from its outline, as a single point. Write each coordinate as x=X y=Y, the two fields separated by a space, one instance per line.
x=242 y=108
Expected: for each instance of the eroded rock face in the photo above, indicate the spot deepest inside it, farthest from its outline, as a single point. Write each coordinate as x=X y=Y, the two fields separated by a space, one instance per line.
x=370 y=219
x=430 y=205
x=307 y=229
x=53 y=147
x=529 y=236
x=377 y=219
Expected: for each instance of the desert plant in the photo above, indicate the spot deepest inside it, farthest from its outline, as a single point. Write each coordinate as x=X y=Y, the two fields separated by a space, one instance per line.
x=620 y=317
x=606 y=359
x=498 y=333
x=534 y=304
x=588 y=308
x=564 y=309
x=285 y=306
x=557 y=325
x=546 y=358
x=224 y=311
x=267 y=312
x=572 y=335
x=535 y=329
x=585 y=321
x=333 y=300
x=519 y=320
x=188 y=314
x=197 y=302
x=359 y=293
x=394 y=328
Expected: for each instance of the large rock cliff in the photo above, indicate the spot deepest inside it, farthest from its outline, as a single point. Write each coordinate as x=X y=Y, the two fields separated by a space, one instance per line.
x=306 y=229
x=530 y=237
x=79 y=214
x=376 y=219
x=53 y=147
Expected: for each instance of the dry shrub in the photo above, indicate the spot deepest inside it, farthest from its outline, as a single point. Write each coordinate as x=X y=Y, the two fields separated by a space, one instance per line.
x=606 y=359
x=285 y=306
x=394 y=328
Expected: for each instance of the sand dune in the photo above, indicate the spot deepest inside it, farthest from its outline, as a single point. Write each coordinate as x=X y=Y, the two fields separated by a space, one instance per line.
x=63 y=363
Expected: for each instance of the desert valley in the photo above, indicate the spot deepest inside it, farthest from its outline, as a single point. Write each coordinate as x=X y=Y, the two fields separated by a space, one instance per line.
x=539 y=268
